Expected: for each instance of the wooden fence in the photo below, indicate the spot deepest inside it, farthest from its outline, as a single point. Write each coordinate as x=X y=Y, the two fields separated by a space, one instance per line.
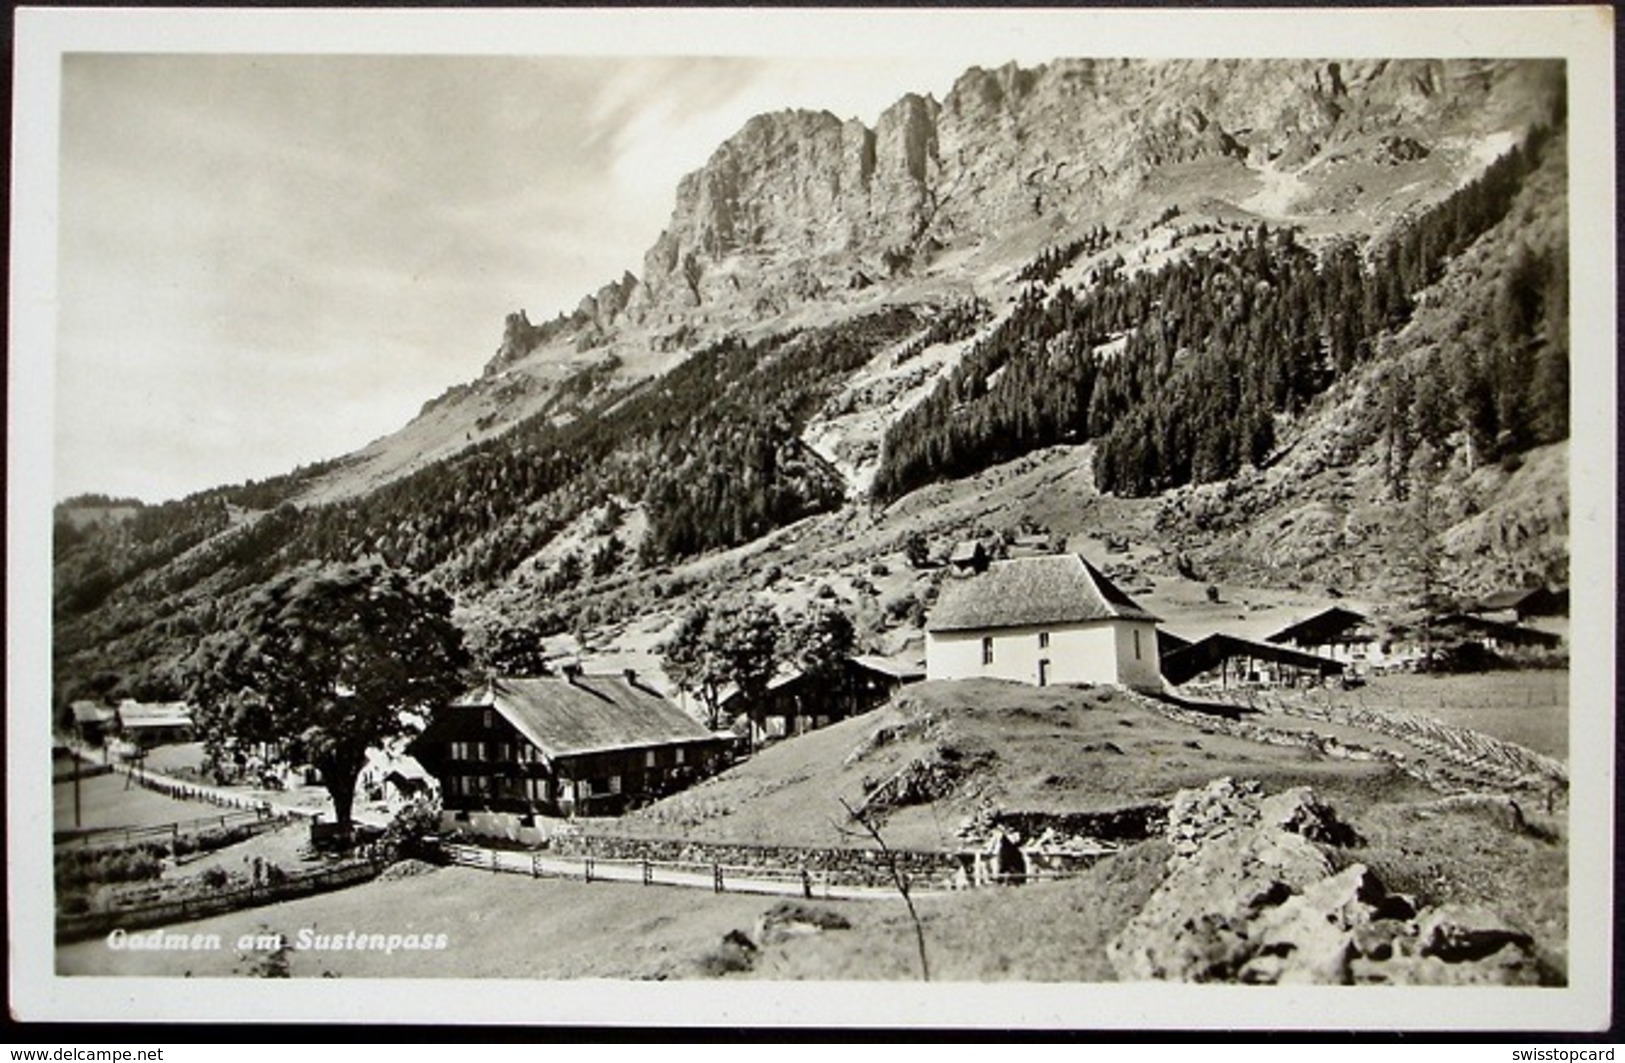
x=256 y=819
x=188 y=791
x=184 y=909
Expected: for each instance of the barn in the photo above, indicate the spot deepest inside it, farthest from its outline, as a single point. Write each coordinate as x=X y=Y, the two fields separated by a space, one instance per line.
x=1042 y=620
x=155 y=723
x=1225 y=660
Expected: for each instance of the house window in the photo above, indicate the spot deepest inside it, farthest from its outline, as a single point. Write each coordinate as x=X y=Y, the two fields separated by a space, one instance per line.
x=479 y=750
x=614 y=784
x=987 y=650
x=649 y=759
x=679 y=755
x=1043 y=640
x=488 y=715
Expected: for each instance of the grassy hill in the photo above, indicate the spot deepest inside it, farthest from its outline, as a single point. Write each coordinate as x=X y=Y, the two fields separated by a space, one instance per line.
x=988 y=743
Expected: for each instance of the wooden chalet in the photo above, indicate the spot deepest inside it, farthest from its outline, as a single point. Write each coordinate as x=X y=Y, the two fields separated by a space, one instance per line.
x=796 y=702
x=1520 y=606
x=1494 y=636
x=515 y=749
x=968 y=557
x=1348 y=637
x=93 y=721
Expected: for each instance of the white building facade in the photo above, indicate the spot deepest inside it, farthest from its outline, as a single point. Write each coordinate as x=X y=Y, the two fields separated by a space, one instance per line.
x=1042 y=620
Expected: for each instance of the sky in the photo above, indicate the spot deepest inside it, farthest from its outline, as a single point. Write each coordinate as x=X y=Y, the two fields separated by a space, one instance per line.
x=271 y=242
x=270 y=260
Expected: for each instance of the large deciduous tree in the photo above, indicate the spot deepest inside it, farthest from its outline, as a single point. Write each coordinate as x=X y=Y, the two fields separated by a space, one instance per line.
x=329 y=660
x=730 y=643
x=819 y=641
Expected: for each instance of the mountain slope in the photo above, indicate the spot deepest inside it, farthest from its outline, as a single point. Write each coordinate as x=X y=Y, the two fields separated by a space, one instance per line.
x=821 y=283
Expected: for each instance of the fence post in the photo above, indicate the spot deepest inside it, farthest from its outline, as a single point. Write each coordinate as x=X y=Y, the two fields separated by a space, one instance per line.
x=716 y=877
x=586 y=868
x=806 y=884
x=493 y=861
x=646 y=871
x=535 y=865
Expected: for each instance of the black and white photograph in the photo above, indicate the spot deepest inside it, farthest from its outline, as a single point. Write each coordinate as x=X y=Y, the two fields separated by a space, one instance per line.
x=1053 y=518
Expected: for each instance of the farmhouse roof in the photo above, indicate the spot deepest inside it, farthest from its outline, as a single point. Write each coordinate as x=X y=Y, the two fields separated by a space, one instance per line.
x=91 y=712
x=137 y=714
x=1513 y=633
x=1325 y=626
x=895 y=667
x=1168 y=642
x=1533 y=601
x=1028 y=591
x=1188 y=662
x=588 y=714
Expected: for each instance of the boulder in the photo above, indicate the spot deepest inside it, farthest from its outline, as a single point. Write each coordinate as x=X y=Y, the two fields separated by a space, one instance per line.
x=1301 y=812
x=1251 y=896
x=1311 y=937
x=1455 y=933
x=792 y=919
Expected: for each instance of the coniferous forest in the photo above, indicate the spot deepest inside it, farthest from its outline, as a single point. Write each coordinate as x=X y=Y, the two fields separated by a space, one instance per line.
x=1179 y=375
x=712 y=448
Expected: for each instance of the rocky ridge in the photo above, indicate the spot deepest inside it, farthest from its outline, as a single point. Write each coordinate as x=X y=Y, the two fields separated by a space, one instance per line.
x=799 y=204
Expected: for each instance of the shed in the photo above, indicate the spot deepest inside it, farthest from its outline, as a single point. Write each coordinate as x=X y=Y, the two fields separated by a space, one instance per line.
x=1241 y=659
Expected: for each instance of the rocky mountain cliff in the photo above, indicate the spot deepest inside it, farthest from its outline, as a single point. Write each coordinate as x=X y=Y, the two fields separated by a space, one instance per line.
x=800 y=203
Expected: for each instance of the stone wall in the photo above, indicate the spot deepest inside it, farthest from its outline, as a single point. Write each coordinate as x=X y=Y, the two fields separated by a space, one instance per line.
x=868 y=867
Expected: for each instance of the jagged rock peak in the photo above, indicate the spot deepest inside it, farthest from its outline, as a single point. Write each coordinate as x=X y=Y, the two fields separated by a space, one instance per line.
x=799 y=202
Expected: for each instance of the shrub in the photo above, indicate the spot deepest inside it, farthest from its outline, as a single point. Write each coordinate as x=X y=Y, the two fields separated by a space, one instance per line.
x=73 y=903
x=736 y=953
x=82 y=868
x=412 y=825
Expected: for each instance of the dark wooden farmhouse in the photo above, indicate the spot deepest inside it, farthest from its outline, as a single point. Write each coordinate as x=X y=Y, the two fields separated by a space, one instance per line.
x=1499 y=639
x=93 y=721
x=516 y=749
x=1521 y=606
x=968 y=557
x=796 y=702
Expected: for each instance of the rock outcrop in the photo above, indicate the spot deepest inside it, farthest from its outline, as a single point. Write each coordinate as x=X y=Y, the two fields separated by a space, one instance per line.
x=1051 y=145
x=1254 y=895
